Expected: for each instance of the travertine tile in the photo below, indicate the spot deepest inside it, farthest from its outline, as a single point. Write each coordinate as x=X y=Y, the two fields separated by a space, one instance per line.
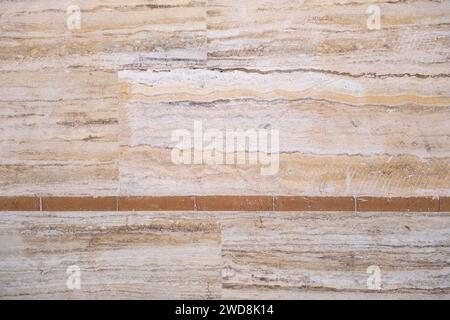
x=90 y=112
x=58 y=87
x=147 y=171
x=330 y=37
x=59 y=133
x=326 y=255
x=112 y=34
x=228 y=255
x=208 y=86
x=333 y=141
x=120 y=255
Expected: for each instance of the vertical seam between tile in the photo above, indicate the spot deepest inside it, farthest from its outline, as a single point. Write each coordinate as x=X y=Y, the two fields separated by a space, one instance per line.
x=356 y=204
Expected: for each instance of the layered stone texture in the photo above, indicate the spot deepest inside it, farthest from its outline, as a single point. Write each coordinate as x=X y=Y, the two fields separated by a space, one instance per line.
x=330 y=37
x=230 y=255
x=338 y=135
x=363 y=118
x=59 y=92
x=360 y=112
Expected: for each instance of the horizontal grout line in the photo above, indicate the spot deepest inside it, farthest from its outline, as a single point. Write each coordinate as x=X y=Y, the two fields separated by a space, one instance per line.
x=225 y=203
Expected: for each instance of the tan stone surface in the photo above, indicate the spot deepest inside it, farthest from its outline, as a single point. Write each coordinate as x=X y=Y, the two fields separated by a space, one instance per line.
x=58 y=86
x=90 y=112
x=371 y=106
x=120 y=256
x=228 y=255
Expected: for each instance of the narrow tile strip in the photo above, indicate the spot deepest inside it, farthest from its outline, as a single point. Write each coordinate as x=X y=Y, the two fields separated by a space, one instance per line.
x=225 y=203
x=79 y=204
x=19 y=204
x=444 y=204
x=287 y=203
x=182 y=203
x=234 y=203
x=412 y=204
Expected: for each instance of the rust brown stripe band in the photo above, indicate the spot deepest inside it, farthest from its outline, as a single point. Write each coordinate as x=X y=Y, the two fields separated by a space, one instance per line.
x=226 y=203
x=444 y=204
x=234 y=203
x=20 y=204
x=414 y=204
x=314 y=203
x=156 y=203
x=79 y=203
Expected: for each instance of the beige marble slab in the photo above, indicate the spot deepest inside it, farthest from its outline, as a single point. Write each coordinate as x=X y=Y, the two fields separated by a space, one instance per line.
x=59 y=132
x=313 y=114
x=361 y=112
x=90 y=112
x=58 y=86
x=111 y=34
x=233 y=255
x=146 y=171
x=203 y=85
x=330 y=37
x=326 y=255
x=335 y=138
x=119 y=255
